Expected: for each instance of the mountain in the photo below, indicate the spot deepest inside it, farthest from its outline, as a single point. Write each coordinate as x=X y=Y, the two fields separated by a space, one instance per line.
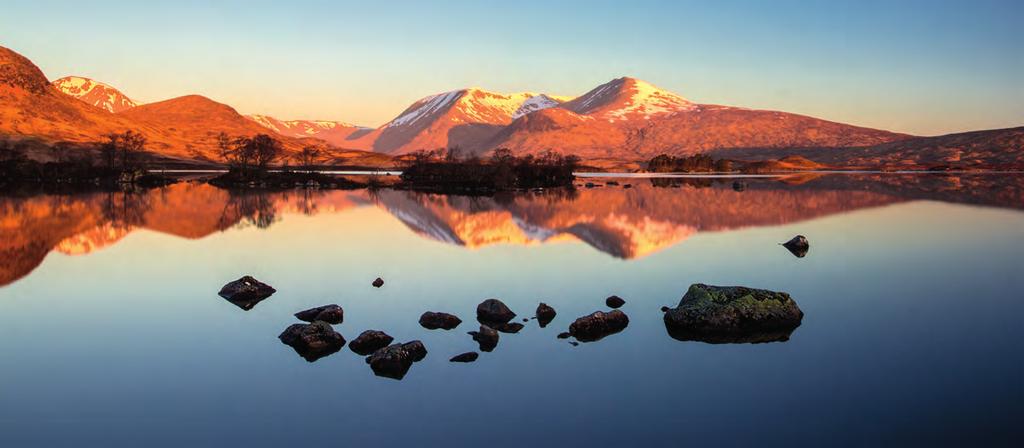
x=333 y=132
x=631 y=119
x=465 y=118
x=94 y=92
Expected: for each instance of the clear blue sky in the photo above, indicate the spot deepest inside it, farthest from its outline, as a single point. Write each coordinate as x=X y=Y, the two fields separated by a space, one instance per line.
x=925 y=67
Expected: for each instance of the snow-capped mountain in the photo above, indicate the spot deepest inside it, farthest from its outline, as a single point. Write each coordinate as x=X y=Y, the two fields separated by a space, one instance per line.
x=334 y=132
x=628 y=98
x=465 y=118
x=96 y=93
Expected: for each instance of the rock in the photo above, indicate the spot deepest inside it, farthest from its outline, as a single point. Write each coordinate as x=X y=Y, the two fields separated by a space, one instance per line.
x=597 y=325
x=739 y=186
x=246 y=292
x=525 y=319
x=511 y=327
x=465 y=357
x=370 y=341
x=378 y=282
x=612 y=183
x=590 y=185
x=574 y=343
x=432 y=321
x=545 y=314
x=313 y=341
x=493 y=311
x=395 y=360
x=798 y=246
x=564 y=335
x=332 y=314
x=614 y=302
x=627 y=186
x=727 y=314
x=664 y=309
x=487 y=337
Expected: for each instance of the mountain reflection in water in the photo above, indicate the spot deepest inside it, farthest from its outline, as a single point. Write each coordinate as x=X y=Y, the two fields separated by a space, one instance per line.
x=626 y=223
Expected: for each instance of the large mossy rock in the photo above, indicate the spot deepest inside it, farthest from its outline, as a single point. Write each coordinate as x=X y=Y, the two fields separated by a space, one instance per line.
x=725 y=314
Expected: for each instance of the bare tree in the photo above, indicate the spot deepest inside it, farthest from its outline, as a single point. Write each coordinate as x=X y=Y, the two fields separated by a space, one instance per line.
x=309 y=156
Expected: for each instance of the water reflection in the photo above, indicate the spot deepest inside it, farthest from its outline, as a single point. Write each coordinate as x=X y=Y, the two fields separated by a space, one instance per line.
x=622 y=222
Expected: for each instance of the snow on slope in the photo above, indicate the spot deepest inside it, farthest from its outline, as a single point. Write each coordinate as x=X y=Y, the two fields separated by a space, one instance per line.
x=299 y=128
x=534 y=104
x=96 y=93
x=476 y=105
x=626 y=98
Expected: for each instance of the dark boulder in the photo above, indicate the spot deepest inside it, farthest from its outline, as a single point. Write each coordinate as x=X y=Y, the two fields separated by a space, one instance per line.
x=564 y=335
x=614 y=302
x=465 y=357
x=597 y=325
x=493 y=311
x=332 y=314
x=378 y=282
x=739 y=186
x=545 y=314
x=246 y=292
x=432 y=321
x=487 y=337
x=729 y=314
x=370 y=341
x=798 y=246
x=313 y=341
x=395 y=360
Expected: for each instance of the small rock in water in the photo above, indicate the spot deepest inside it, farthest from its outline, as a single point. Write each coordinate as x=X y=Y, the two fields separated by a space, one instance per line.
x=627 y=186
x=739 y=186
x=612 y=183
x=511 y=327
x=545 y=314
x=733 y=314
x=574 y=343
x=246 y=292
x=564 y=335
x=798 y=246
x=614 y=302
x=370 y=341
x=487 y=337
x=432 y=321
x=332 y=314
x=312 y=341
x=664 y=309
x=465 y=357
x=525 y=319
x=395 y=360
x=378 y=282
x=597 y=325
x=493 y=311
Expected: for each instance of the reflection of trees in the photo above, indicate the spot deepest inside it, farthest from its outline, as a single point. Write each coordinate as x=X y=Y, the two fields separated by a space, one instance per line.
x=126 y=209
x=253 y=208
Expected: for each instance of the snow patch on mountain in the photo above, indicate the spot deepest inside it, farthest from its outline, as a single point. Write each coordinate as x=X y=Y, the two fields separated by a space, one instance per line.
x=533 y=104
x=94 y=92
x=425 y=107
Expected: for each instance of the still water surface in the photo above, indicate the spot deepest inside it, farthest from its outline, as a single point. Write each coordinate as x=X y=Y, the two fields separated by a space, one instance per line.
x=112 y=333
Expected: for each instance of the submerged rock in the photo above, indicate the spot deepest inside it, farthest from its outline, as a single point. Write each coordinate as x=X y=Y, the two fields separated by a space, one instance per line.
x=432 y=321
x=493 y=311
x=487 y=337
x=614 y=302
x=511 y=327
x=312 y=341
x=798 y=246
x=378 y=282
x=597 y=325
x=246 y=292
x=724 y=314
x=332 y=314
x=370 y=341
x=395 y=360
x=465 y=357
x=545 y=314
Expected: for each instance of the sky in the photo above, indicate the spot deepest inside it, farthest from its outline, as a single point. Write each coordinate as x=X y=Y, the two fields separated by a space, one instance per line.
x=921 y=67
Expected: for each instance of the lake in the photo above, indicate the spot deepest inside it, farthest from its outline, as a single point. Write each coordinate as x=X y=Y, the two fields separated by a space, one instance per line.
x=112 y=332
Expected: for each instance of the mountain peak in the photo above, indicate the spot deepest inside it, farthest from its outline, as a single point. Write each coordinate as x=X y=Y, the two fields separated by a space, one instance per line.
x=94 y=92
x=626 y=97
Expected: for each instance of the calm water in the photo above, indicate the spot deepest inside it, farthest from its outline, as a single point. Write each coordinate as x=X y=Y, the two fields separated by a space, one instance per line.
x=112 y=333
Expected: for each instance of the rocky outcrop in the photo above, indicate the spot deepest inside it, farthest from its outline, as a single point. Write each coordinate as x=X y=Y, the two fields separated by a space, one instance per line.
x=332 y=314
x=312 y=341
x=370 y=341
x=395 y=360
x=493 y=311
x=246 y=292
x=723 y=314
x=597 y=325
x=433 y=320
